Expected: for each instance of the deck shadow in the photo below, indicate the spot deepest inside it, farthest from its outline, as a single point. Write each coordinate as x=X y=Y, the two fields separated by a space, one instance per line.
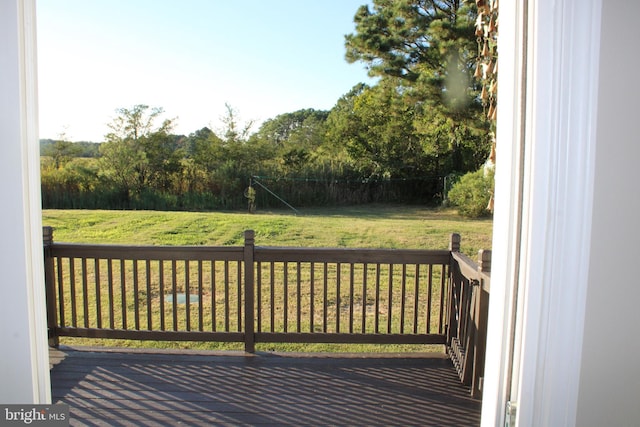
x=231 y=389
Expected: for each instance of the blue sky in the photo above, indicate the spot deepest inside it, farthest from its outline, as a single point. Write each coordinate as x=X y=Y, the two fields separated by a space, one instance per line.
x=190 y=57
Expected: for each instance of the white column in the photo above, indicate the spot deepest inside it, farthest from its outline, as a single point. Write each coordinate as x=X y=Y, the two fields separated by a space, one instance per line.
x=24 y=364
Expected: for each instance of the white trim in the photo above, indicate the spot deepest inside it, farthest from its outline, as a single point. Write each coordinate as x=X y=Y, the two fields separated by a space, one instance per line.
x=506 y=219
x=32 y=210
x=25 y=367
x=562 y=55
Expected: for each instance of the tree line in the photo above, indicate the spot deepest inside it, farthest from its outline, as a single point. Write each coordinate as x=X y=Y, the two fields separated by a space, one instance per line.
x=393 y=141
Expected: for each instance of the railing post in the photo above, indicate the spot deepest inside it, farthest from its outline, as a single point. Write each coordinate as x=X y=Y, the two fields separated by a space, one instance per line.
x=481 y=314
x=484 y=261
x=249 y=309
x=49 y=282
x=454 y=242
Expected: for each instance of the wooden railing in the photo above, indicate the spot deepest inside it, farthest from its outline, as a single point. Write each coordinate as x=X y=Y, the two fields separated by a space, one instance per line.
x=467 y=314
x=253 y=294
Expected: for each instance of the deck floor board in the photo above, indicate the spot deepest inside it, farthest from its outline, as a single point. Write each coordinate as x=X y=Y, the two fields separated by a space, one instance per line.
x=133 y=388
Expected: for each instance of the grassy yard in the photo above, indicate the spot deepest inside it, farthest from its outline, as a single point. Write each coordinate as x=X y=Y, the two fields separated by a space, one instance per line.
x=361 y=226
x=367 y=227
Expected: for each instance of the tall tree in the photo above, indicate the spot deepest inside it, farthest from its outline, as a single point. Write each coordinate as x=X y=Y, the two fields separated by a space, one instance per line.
x=233 y=131
x=421 y=42
x=137 y=153
x=429 y=48
x=294 y=137
x=61 y=150
x=378 y=133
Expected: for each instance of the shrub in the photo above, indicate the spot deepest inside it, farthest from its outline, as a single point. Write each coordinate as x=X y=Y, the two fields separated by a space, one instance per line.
x=471 y=194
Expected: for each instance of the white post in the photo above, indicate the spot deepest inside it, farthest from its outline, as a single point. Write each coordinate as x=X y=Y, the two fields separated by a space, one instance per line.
x=25 y=363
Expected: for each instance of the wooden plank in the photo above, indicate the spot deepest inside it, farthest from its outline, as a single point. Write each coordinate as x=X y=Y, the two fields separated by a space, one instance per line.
x=403 y=296
x=348 y=255
x=338 y=291
x=239 y=294
x=72 y=288
x=346 y=338
x=390 y=302
x=377 y=303
x=136 y=293
x=152 y=388
x=223 y=253
x=148 y=283
x=60 y=282
x=312 y=296
x=200 y=297
x=298 y=297
x=187 y=296
x=123 y=294
x=214 y=318
x=285 y=296
x=480 y=342
x=98 y=293
x=174 y=293
x=227 y=307
x=429 y=295
x=130 y=334
x=325 y=296
x=443 y=276
x=416 y=299
x=112 y=303
x=161 y=294
x=273 y=296
x=365 y=273
x=351 y=295
x=468 y=268
x=85 y=293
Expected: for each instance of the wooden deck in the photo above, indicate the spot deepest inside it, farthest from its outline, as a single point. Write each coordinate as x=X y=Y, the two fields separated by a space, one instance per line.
x=230 y=389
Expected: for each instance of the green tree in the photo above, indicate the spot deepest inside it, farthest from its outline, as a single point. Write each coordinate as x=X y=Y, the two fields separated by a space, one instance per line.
x=61 y=151
x=429 y=43
x=297 y=125
x=340 y=126
x=233 y=131
x=428 y=49
x=294 y=138
x=137 y=154
x=385 y=144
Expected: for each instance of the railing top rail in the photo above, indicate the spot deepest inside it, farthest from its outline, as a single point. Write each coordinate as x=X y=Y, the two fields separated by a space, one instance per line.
x=131 y=252
x=350 y=255
x=470 y=270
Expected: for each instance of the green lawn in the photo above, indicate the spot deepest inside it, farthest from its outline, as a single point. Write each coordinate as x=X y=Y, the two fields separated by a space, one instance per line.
x=361 y=226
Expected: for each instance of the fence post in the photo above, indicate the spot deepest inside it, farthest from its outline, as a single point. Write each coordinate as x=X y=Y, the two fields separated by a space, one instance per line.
x=481 y=314
x=249 y=322
x=454 y=242
x=52 y=318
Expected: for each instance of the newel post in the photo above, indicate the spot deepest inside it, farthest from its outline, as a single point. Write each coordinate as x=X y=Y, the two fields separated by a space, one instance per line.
x=484 y=261
x=52 y=319
x=454 y=242
x=249 y=321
